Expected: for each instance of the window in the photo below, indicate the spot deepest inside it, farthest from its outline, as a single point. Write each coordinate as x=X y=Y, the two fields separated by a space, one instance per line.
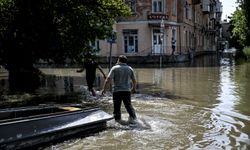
x=190 y=39
x=95 y=44
x=196 y=17
x=157 y=6
x=130 y=41
x=186 y=34
x=188 y=11
x=132 y=5
x=174 y=11
x=174 y=33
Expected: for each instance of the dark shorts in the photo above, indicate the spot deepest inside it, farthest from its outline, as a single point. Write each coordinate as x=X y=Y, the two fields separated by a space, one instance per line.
x=90 y=82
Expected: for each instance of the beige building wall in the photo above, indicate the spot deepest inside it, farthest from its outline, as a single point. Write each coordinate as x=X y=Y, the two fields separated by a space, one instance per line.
x=105 y=48
x=191 y=23
x=144 y=37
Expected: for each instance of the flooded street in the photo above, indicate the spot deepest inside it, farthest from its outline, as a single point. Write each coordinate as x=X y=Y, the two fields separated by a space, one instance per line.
x=205 y=106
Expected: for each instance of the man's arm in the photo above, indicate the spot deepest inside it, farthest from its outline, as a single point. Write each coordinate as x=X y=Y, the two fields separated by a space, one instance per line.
x=80 y=70
x=100 y=68
x=133 y=86
x=106 y=83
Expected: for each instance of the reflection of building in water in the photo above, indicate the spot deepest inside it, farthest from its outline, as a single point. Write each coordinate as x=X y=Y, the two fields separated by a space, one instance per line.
x=4 y=84
x=157 y=76
x=68 y=84
x=66 y=80
x=97 y=81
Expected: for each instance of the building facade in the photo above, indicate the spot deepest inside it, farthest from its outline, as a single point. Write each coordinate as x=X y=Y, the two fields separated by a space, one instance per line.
x=223 y=41
x=157 y=25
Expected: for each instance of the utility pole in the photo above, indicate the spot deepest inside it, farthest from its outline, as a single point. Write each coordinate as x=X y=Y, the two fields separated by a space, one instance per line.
x=111 y=40
x=162 y=40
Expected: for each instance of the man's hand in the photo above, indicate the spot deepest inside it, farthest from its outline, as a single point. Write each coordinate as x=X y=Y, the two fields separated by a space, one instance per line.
x=133 y=90
x=133 y=86
x=103 y=92
x=79 y=70
x=106 y=83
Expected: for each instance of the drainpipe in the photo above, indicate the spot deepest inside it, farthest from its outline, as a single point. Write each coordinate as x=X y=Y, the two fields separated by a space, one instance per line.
x=194 y=42
x=162 y=39
x=180 y=38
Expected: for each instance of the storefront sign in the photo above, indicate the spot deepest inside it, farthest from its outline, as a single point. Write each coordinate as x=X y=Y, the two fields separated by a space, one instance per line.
x=157 y=17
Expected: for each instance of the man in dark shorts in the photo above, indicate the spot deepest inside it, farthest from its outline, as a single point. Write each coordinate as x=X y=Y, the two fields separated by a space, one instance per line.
x=90 y=65
x=122 y=74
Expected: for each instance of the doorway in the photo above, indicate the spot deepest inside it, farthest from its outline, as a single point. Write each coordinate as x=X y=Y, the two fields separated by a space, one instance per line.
x=157 y=41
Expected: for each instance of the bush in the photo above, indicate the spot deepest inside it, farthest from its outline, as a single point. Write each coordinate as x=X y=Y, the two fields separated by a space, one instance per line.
x=246 y=51
x=240 y=57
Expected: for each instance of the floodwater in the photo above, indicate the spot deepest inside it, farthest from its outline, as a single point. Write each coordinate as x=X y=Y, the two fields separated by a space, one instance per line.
x=204 y=105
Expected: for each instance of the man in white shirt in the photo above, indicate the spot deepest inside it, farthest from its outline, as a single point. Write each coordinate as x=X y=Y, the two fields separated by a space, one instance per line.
x=122 y=75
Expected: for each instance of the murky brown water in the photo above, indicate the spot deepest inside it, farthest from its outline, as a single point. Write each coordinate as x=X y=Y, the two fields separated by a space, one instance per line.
x=186 y=108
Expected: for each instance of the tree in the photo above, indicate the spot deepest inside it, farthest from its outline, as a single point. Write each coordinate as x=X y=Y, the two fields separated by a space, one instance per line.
x=246 y=8
x=242 y=21
x=53 y=31
x=238 y=29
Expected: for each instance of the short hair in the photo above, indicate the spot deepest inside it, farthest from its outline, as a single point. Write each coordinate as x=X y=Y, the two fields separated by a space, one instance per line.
x=122 y=59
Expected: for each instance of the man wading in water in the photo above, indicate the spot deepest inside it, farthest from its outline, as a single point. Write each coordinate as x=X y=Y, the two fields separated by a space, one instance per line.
x=90 y=65
x=121 y=74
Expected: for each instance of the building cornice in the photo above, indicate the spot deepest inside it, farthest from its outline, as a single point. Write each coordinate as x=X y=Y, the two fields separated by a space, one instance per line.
x=149 y=22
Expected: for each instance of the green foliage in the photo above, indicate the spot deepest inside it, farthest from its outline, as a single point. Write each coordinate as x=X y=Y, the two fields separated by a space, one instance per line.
x=247 y=14
x=240 y=25
x=246 y=51
x=54 y=31
x=238 y=22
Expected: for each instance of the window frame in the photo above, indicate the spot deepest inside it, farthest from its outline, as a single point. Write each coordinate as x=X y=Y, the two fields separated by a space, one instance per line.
x=129 y=34
x=157 y=9
x=174 y=8
x=132 y=5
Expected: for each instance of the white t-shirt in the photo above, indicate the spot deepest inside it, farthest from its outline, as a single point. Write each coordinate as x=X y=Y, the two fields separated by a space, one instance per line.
x=121 y=74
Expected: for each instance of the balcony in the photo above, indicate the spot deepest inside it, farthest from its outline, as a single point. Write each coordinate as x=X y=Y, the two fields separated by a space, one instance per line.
x=218 y=7
x=212 y=16
x=206 y=6
x=210 y=29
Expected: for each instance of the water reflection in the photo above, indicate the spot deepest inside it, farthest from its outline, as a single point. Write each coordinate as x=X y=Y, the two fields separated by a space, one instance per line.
x=3 y=81
x=223 y=129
